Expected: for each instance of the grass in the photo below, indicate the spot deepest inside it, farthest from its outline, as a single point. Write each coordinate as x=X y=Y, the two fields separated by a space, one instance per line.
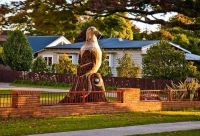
x=24 y=126
x=5 y=91
x=195 y=132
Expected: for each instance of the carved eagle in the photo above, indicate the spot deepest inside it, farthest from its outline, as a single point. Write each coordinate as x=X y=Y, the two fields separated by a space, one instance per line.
x=90 y=56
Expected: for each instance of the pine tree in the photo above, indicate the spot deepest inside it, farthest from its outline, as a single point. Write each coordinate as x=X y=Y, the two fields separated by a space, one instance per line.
x=17 y=52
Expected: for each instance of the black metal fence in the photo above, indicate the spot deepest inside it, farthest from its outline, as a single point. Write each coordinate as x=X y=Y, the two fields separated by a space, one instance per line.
x=80 y=97
x=142 y=83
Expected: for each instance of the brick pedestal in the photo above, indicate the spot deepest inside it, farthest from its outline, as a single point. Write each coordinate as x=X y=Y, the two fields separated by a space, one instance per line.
x=130 y=94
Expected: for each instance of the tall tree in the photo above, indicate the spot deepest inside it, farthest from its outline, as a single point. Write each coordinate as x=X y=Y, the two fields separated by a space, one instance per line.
x=143 y=10
x=110 y=26
x=114 y=26
x=162 y=61
x=17 y=52
x=127 y=67
x=43 y=17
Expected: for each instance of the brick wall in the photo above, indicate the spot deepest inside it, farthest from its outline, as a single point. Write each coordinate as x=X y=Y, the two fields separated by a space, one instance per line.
x=27 y=103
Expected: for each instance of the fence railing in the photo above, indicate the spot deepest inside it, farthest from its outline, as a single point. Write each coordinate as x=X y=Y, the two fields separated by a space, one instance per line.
x=80 y=97
x=83 y=97
x=168 y=95
x=5 y=100
x=142 y=83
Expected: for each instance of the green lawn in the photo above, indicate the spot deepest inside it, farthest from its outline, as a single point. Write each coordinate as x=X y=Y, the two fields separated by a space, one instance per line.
x=37 y=86
x=24 y=126
x=5 y=91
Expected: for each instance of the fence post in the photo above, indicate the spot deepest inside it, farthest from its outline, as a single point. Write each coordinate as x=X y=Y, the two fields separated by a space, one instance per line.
x=83 y=98
x=170 y=94
x=130 y=94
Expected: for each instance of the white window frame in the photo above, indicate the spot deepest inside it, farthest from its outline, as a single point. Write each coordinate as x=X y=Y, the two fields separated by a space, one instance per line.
x=47 y=60
x=109 y=57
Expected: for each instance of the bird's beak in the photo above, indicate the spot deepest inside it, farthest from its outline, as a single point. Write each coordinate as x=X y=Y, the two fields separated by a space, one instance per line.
x=97 y=32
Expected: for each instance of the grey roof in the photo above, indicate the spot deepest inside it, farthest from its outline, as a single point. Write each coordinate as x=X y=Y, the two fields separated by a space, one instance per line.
x=190 y=56
x=40 y=42
x=118 y=43
x=110 y=43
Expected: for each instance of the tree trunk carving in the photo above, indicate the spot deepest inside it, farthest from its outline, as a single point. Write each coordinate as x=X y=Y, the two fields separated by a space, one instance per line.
x=87 y=77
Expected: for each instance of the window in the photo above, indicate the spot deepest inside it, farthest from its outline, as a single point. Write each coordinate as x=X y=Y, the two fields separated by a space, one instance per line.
x=48 y=59
x=70 y=57
x=109 y=57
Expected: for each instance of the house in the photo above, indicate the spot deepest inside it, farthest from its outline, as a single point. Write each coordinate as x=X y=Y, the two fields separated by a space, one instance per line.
x=38 y=43
x=114 y=48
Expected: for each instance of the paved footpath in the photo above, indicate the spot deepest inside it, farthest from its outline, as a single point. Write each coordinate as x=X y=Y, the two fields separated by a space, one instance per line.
x=130 y=130
x=118 y=131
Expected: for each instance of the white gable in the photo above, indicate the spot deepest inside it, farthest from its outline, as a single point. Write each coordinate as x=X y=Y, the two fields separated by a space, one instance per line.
x=60 y=41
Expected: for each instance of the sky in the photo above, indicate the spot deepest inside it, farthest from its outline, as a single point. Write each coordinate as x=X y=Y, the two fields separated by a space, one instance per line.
x=147 y=27
x=142 y=26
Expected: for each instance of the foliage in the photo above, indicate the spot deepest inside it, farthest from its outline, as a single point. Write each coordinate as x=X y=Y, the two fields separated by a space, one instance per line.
x=44 y=17
x=181 y=39
x=111 y=26
x=192 y=86
x=32 y=11
x=41 y=83
x=164 y=62
x=17 y=52
x=127 y=67
x=65 y=65
x=114 y=26
x=185 y=38
x=192 y=71
x=111 y=88
x=39 y=65
x=141 y=11
x=161 y=35
x=105 y=69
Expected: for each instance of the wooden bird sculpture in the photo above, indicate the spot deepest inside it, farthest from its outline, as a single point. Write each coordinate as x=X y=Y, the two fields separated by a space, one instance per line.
x=90 y=58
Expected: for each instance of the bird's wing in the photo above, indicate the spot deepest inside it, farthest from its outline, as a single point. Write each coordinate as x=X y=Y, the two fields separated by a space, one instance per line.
x=87 y=62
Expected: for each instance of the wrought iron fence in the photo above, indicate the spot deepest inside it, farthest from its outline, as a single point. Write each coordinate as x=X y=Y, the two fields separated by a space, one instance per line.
x=5 y=100
x=80 y=97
